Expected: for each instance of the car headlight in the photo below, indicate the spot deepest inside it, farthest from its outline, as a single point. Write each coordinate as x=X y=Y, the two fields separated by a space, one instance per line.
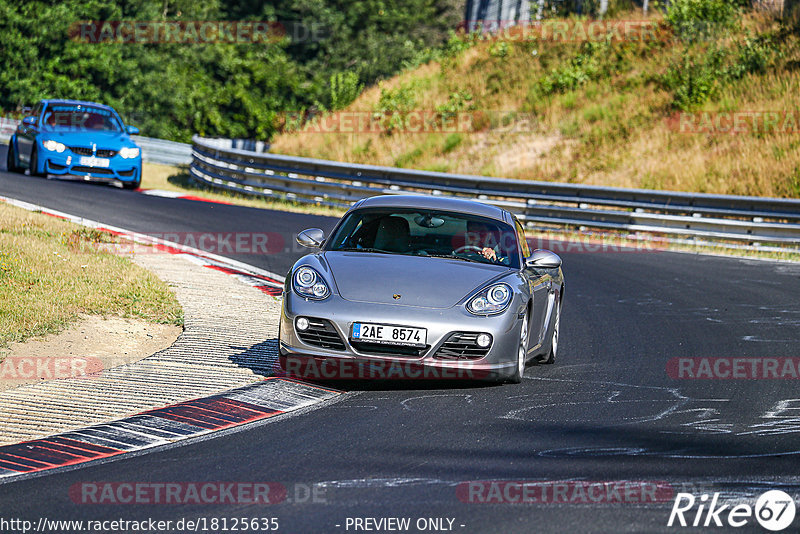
x=54 y=146
x=309 y=284
x=129 y=152
x=493 y=299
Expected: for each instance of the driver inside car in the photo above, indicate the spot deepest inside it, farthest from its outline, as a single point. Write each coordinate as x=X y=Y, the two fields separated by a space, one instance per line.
x=487 y=239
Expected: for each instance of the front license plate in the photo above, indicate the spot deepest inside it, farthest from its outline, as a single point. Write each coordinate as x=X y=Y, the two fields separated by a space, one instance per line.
x=386 y=334
x=91 y=161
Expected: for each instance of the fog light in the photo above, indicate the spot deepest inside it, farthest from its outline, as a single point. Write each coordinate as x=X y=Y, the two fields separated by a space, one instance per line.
x=302 y=323
x=484 y=340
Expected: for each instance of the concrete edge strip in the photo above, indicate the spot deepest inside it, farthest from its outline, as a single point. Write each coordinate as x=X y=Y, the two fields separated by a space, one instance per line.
x=268 y=282
x=261 y=400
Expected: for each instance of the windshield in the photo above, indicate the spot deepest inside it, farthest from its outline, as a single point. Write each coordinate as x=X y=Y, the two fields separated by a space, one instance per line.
x=427 y=233
x=81 y=118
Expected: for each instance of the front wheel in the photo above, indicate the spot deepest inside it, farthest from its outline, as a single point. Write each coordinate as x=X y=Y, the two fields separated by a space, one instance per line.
x=522 y=352
x=34 y=167
x=132 y=185
x=551 y=357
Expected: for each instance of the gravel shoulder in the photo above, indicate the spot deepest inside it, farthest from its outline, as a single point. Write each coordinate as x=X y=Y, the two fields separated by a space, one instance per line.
x=229 y=340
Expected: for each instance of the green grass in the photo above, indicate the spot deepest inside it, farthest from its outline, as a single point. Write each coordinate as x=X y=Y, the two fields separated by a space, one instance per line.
x=52 y=271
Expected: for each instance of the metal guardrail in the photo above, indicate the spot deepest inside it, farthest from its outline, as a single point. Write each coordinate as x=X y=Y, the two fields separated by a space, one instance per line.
x=753 y=220
x=153 y=150
x=163 y=151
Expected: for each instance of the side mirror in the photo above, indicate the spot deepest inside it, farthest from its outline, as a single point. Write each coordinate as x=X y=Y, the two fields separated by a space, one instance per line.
x=132 y=130
x=543 y=259
x=29 y=121
x=311 y=238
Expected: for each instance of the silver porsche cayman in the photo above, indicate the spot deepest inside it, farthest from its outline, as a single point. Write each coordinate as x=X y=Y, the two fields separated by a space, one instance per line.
x=420 y=287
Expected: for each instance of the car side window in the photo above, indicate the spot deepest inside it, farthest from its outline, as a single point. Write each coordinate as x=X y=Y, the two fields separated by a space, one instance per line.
x=37 y=110
x=523 y=242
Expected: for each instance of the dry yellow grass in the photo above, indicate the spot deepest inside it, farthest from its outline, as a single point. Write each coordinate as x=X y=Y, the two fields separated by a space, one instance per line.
x=51 y=273
x=612 y=131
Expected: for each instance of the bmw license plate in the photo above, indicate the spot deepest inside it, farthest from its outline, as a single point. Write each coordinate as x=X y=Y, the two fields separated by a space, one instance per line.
x=386 y=334
x=91 y=161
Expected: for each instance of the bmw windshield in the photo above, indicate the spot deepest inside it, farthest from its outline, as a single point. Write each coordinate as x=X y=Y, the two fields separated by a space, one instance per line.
x=62 y=117
x=427 y=233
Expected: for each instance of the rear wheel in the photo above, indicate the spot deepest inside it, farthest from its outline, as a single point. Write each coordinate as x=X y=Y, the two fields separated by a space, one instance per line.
x=522 y=352
x=11 y=157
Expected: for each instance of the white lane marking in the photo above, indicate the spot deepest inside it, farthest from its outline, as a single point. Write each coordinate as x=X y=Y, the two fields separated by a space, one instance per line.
x=161 y=193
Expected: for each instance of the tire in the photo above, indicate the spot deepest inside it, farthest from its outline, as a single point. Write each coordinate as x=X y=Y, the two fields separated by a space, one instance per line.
x=35 y=164
x=132 y=185
x=551 y=357
x=11 y=158
x=522 y=350
x=136 y=183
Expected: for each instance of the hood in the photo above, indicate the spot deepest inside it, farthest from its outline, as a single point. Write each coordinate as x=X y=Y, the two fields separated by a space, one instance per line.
x=420 y=281
x=111 y=140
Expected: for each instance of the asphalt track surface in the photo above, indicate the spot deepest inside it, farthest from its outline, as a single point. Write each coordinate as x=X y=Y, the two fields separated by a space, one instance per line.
x=606 y=411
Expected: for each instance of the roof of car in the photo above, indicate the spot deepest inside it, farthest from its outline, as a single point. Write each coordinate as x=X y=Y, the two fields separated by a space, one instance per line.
x=460 y=205
x=76 y=102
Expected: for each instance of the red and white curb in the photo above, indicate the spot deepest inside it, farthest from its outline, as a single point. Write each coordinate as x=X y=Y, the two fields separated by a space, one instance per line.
x=269 y=283
x=161 y=426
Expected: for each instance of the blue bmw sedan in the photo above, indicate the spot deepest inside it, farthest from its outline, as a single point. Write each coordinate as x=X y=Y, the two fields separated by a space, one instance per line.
x=71 y=137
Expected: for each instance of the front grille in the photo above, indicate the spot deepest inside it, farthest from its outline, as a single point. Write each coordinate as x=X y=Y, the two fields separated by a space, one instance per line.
x=81 y=150
x=461 y=346
x=91 y=170
x=87 y=151
x=391 y=350
x=321 y=333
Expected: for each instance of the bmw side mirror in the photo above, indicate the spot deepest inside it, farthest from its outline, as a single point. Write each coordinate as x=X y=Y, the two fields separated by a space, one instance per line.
x=132 y=130
x=29 y=121
x=543 y=259
x=311 y=238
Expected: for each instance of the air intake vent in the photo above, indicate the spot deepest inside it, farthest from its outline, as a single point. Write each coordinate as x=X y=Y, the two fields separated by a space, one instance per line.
x=321 y=333
x=462 y=346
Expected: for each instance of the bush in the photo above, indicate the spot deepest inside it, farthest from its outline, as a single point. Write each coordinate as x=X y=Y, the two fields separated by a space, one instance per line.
x=344 y=89
x=693 y=19
x=695 y=80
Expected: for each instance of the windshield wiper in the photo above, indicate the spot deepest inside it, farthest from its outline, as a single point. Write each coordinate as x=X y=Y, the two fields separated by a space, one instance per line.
x=454 y=257
x=364 y=249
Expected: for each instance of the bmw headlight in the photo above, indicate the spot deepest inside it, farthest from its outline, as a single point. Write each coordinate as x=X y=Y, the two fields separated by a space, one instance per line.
x=493 y=299
x=129 y=152
x=54 y=146
x=309 y=284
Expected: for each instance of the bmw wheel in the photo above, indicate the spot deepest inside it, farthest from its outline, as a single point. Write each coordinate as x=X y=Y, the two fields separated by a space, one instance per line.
x=11 y=158
x=34 y=167
x=132 y=185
